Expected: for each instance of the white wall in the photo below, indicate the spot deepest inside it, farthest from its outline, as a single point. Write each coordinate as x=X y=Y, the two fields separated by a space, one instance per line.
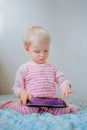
x=66 y=21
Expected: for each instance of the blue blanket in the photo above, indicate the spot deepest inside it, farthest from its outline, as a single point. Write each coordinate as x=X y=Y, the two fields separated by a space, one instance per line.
x=12 y=120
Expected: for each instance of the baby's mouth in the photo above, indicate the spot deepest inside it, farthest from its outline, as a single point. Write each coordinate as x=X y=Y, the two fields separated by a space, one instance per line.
x=41 y=59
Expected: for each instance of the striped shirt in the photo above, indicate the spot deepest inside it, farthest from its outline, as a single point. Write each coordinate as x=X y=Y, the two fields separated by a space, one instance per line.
x=39 y=80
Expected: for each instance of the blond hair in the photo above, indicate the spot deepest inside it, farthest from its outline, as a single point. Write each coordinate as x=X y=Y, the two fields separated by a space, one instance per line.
x=36 y=34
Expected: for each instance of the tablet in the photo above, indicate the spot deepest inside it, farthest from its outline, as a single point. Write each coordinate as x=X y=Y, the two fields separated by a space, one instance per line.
x=46 y=102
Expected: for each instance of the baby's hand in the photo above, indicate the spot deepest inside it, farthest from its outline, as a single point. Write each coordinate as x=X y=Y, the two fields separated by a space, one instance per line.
x=23 y=97
x=66 y=91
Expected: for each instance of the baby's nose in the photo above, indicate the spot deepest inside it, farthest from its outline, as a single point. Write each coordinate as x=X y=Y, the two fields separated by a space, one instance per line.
x=42 y=54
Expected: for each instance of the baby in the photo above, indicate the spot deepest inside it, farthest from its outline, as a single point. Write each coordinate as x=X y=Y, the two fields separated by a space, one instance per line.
x=38 y=78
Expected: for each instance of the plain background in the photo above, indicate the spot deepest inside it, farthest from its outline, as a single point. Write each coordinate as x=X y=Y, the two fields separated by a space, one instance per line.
x=66 y=21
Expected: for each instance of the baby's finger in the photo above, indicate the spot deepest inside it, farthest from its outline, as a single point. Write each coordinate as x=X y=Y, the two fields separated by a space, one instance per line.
x=63 y=95
x=66 y=94
x=70 y=91
x=20 y=101
x=29 y=96
x=24 y=101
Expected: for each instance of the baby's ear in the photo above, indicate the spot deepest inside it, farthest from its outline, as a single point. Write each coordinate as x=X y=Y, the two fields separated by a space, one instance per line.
x=26 y=47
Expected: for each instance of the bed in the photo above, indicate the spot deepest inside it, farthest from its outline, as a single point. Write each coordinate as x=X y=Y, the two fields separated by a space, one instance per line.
x=12 y=120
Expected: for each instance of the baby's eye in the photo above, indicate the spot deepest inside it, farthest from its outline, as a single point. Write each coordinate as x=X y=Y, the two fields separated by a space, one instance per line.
x=37 y=51
x=45 y=50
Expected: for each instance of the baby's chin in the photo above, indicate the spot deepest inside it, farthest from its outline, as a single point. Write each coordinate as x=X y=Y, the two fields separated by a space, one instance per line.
x=41 y=62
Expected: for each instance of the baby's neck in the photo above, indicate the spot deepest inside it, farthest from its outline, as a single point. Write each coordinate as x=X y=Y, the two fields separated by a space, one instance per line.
x=35 y=63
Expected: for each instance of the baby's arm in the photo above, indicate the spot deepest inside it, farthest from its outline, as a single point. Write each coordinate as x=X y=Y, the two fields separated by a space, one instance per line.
x=19 y=86
x=63 y=83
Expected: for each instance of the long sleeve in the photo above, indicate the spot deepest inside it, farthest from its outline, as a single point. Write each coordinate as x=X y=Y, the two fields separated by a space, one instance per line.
x=19 y=81
x=61 y=78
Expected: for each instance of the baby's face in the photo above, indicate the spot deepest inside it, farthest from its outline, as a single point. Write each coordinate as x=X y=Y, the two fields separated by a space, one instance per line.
x=39 y=52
